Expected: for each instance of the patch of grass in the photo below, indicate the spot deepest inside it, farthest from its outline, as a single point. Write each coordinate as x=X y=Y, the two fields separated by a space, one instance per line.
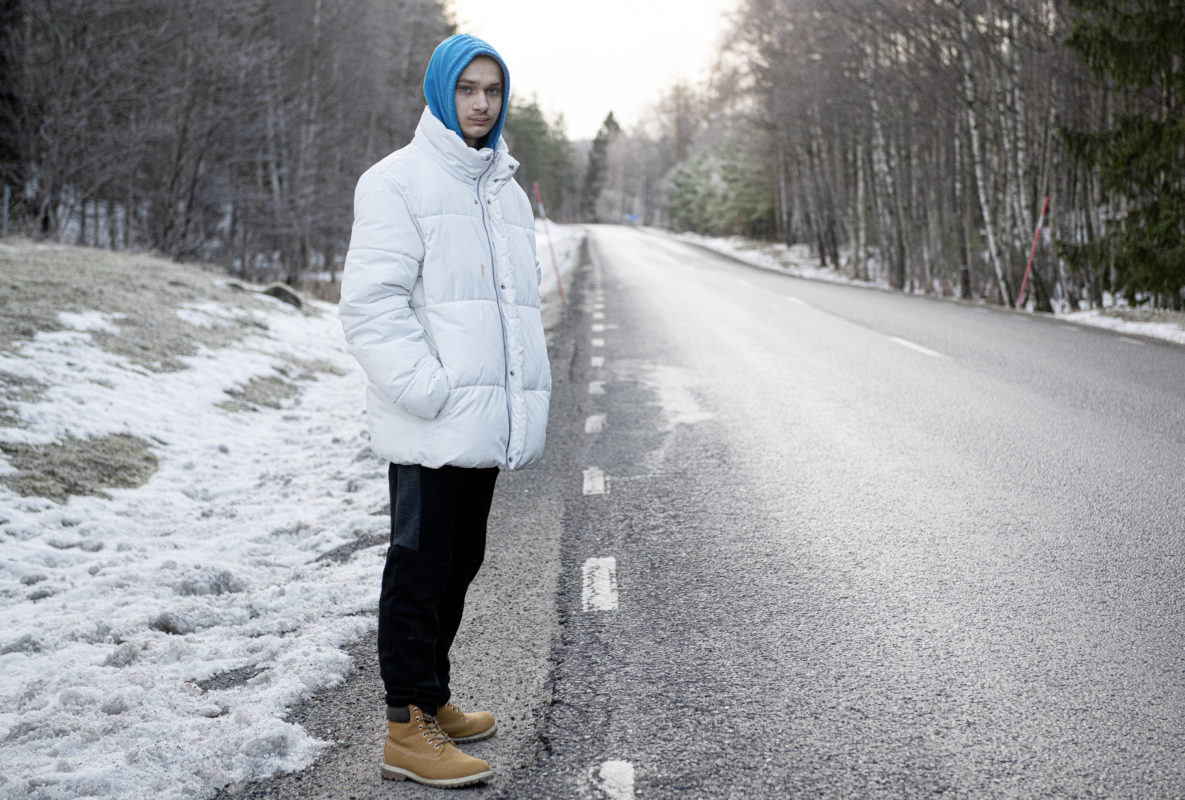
x=229 y=679
x=16 y=389
x=269 y=392
x=309 y=368
x=39 y=282
x=76 y=466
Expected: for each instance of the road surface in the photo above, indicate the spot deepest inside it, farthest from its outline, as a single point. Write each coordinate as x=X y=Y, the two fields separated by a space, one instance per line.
x=863 y=545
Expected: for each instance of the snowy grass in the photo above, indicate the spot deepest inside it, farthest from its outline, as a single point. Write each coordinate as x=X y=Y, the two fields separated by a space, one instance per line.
x=1166 y=325
x=797 y=259
x=129 y=305
x=192 y=523
x=125 y=607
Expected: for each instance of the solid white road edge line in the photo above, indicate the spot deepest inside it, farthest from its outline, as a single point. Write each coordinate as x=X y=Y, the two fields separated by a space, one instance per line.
x=594 y=481
x=916 y=347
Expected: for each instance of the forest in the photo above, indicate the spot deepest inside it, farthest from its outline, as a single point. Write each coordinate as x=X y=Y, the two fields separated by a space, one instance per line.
x=225 y=131
x=915 y=143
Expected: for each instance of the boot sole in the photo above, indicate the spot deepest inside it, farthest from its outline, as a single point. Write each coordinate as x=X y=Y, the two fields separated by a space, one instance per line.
x=398 y=774
x=477 y=737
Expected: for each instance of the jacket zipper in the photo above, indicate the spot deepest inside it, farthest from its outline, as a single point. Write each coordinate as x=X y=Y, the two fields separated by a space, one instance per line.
x=498 y=296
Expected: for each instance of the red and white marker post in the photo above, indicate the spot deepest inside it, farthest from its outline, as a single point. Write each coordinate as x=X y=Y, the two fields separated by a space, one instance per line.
x=1020 y=298
x=559 y=281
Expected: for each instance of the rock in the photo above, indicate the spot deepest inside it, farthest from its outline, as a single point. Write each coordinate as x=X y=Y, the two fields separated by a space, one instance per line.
x=284 y=292
x=172 y=623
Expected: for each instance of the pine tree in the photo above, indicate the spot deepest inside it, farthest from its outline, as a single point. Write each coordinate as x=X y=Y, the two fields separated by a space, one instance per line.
x=594 y=174
x=1139 y=49
x=544 y=155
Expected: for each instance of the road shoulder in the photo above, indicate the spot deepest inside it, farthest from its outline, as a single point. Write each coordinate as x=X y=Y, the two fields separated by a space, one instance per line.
x=502 y=655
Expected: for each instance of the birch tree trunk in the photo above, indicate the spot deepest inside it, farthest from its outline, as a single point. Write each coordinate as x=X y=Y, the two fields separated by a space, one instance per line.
x=1003 y=289
x=860 y=229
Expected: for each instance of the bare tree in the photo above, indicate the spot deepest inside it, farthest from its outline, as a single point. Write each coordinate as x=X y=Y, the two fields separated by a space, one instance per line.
x=225 y=130
x=907 y=141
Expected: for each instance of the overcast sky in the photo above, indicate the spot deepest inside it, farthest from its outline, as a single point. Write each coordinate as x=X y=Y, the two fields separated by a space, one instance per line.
x=586 y=59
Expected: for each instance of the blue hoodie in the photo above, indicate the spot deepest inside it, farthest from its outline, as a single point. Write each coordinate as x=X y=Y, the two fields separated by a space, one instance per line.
x=440 y=81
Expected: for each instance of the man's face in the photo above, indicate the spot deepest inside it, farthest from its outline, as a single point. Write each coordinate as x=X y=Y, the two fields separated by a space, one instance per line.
x=478 y=98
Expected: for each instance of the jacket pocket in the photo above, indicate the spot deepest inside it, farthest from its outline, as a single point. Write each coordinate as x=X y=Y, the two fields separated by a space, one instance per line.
x=427 y=391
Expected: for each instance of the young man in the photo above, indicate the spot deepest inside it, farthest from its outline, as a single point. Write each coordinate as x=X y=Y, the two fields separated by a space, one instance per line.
x=440 y=306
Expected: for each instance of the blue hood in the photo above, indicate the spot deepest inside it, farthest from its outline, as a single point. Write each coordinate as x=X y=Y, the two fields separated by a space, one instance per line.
x=440 y=81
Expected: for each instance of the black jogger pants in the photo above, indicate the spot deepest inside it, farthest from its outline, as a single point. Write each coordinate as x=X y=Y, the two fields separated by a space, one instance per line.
x=438 y=539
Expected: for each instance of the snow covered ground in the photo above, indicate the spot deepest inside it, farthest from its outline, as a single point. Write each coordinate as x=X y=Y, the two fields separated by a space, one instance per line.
x=154 y=638
x=800 y=260
x=557 y=248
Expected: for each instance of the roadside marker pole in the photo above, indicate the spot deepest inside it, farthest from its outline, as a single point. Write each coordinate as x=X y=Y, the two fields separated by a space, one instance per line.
x=4 y=233
x=1020 y=298
x=559 y=281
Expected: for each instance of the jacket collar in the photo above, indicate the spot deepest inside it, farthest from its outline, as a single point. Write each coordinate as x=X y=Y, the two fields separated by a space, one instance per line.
x=459 y=159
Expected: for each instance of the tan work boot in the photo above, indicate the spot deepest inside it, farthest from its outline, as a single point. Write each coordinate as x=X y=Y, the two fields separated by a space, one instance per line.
x=418 y=749
x=462 y=727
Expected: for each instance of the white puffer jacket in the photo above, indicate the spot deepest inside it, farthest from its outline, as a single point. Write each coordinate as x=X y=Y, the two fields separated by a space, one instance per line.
x=440 y=305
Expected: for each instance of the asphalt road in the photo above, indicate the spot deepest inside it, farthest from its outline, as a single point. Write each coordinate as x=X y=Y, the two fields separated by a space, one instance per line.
x=866 y=545
x=793 y=539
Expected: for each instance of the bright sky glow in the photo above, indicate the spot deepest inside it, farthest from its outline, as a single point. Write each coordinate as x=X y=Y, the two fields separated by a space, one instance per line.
x=584 y=60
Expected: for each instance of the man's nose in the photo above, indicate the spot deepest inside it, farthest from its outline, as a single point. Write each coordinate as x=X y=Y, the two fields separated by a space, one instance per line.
x=482 y=102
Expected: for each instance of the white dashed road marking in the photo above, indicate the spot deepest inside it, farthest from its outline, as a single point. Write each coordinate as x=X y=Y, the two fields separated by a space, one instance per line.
x=600 y=588
x=614 y=779
x=798 y=301
x=916 y=347
x=594 y=481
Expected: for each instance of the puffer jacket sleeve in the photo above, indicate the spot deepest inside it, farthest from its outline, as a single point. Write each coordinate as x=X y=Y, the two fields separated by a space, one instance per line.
x=381 y=329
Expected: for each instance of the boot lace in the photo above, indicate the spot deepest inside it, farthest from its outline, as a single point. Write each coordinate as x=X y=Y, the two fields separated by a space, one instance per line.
x=432 y=732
